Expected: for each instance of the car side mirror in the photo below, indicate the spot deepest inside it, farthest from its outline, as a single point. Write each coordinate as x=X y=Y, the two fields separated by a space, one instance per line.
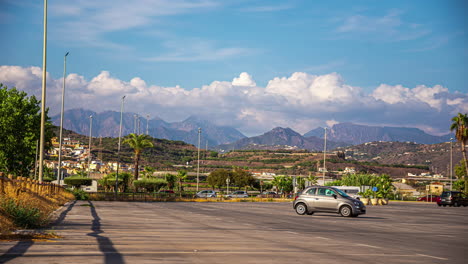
x=334 y=196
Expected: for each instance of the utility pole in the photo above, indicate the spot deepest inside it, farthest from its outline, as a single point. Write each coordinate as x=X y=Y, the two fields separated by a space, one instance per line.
x=147 y=120
x=59 y=175
x=451 y=165
x=90 y=137
x=324 y=156
x=118 y=149
x=134 y=124
x=198 y=165
x=43 y=101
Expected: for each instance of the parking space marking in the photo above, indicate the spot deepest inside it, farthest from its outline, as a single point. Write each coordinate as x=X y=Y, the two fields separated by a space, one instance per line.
x=323 y=238
x=365 y=245
x=439 y=258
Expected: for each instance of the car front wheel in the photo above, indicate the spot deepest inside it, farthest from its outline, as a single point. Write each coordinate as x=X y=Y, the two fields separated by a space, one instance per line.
x=301 y=208
x=346 y=211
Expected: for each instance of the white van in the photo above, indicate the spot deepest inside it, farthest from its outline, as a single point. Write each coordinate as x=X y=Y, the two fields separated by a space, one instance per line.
x=350 y=190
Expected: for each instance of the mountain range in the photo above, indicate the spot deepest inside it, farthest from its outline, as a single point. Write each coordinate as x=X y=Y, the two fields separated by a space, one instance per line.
x=357 y=134
x=281 y=138
x=106 y=124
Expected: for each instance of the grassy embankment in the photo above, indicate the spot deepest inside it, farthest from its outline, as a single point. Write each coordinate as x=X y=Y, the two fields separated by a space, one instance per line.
x=27 y=204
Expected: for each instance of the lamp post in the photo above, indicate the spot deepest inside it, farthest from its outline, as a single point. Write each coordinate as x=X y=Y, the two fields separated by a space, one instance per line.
x=324 y=155
x=90 y=137
x=198 y=163
x=227 y=183
x=118 y=148
x=147 y=126
x=451 y=166
x=43 y=101
x=59 y=177
x=134 y=124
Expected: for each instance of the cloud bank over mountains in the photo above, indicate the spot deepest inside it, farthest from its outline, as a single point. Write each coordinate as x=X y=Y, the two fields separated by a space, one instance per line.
x=301 y=101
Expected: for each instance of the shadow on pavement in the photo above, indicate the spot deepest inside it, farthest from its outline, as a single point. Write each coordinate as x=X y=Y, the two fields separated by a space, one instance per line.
x=21 y=247
x=111 y=255
x=17 y=250
x=62 y=216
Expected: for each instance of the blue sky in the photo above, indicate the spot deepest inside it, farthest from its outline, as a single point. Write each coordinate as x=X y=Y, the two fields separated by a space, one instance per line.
x=177 y=58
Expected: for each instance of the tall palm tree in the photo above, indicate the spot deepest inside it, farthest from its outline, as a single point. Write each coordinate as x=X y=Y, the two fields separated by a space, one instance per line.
x=138 y=143
x=460 y=125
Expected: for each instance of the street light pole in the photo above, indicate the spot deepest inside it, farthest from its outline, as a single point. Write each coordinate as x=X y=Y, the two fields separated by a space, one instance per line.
x=324 y=156
x=43 y=101
x=198 y=164
x=134 y=124
x=451 y=166
x=59 y=178
x=90 y=137
x=147 y=120
x=118 y=149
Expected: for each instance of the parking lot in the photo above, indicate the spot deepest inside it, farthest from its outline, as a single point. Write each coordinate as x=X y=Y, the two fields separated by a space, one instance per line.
x=135 y=232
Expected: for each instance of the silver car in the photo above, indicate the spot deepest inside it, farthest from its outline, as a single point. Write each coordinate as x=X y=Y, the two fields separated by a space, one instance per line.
x=237 y=194
x=327 y=199
x=206 y=194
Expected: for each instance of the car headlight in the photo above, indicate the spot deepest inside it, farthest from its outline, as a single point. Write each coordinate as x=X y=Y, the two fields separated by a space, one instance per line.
x=357 y=204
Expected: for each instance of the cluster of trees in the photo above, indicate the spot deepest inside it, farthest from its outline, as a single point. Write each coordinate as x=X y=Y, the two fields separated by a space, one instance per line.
x=236 y=177
x=20 y=121
x=382 y=182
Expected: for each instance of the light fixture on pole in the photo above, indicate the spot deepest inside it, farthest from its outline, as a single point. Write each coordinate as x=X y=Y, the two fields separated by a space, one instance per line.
x=118 y=148
x=198 y=163
x=324 y=156
x=43 y=100
x=59 y=175
x=451 y=166
x=90 y=137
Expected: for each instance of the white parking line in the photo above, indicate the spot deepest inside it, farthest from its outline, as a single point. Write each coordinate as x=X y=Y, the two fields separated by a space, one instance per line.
x=422 y=255
x=323 y=238
x=365 y=245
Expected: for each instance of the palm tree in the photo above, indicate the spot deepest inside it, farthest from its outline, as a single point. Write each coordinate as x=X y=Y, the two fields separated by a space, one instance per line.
x=460 y=125
x=137 y=143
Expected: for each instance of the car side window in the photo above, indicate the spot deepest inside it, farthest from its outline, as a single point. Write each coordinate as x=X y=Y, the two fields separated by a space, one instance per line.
x=311 y=191
x=321 y=191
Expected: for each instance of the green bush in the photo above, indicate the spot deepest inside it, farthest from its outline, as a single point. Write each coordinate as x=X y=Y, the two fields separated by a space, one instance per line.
x=77 y=181
x=80 y=194
x=150 y=185
x=22 y=216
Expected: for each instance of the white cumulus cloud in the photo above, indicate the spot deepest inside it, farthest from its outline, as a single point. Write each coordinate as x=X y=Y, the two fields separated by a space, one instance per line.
x=301 y=101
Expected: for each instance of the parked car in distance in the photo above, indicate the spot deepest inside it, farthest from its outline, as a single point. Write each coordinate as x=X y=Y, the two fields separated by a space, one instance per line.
x=268 y=194
x=206 y=194
x=237 y=194
x=327 y=199
x=431 y=198
x=453 y=198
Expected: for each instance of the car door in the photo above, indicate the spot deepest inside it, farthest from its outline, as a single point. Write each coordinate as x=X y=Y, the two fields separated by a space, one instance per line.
x=325 y=200
x=309 y=197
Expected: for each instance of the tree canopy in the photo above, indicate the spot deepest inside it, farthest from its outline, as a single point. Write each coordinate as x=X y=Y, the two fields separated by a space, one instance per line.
x=460 y=125
x=20 y=120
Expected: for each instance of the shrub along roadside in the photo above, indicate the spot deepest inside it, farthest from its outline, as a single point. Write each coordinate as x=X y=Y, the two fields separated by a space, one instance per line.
x=23 y=216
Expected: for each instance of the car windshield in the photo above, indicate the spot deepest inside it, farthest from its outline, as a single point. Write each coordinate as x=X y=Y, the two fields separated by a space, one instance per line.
x=341 y=192
x=445 y=194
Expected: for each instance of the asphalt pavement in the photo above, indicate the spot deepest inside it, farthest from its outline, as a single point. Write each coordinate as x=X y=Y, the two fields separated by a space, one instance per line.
x=244 y=232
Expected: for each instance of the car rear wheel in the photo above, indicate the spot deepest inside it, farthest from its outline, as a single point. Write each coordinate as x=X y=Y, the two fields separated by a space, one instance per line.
x=439 y=204
x=445 y=205
x=346 y=211
x=456 y=204
x=301 y=208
